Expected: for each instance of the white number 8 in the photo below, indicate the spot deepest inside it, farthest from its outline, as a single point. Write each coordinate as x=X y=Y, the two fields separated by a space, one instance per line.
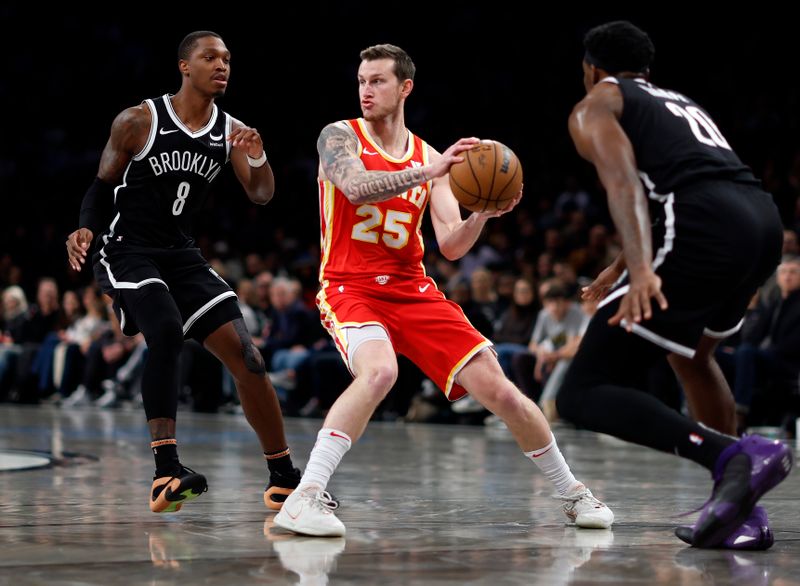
x=183 y=193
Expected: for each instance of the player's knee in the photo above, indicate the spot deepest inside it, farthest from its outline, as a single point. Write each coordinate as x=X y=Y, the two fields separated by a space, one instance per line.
x=253 y=361
x=504 y=399
x=380 y=379
x=164 y=334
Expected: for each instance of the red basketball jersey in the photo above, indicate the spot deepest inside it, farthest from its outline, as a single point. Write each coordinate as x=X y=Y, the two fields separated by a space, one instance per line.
x=374 y=240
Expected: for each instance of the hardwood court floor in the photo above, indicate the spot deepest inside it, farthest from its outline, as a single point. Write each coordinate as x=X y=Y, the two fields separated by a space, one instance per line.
x=423 y=504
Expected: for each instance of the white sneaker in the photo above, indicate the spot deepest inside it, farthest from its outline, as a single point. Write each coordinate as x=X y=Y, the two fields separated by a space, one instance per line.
x=309 y=511
x=79 y=397
x=583 y=509
x=109 y=396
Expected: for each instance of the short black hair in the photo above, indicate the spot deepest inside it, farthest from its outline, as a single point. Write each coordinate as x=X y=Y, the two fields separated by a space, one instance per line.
x=619 y=46
x=189 y=43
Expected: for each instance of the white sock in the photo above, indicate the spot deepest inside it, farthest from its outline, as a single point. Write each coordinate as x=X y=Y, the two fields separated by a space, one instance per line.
x=331 y=446
x=552 y=463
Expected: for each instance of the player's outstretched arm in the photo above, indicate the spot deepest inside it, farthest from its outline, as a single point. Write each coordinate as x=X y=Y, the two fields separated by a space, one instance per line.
x=250 y=163
x=338 y=155
x=600 y=139
x=128 y=136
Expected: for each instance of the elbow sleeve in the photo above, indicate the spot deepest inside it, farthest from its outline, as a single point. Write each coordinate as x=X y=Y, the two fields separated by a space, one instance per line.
x=97 y=206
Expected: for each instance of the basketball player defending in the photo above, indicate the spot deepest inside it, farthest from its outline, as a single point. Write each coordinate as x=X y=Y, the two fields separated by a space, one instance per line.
x=375 y=179
x=717 y=238
x=155 y=171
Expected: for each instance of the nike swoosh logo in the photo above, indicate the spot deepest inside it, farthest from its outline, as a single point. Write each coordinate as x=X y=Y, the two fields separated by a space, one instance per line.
x=543 y=453
x=162 y=131
x=424 y=288
x=334 y=434
x=743 y=539
x=212 y=137
x=369 y=152
x=294 y=517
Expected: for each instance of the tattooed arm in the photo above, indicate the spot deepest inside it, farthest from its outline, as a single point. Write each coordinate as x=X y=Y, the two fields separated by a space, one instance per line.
x=338 y=156
x=129 y=134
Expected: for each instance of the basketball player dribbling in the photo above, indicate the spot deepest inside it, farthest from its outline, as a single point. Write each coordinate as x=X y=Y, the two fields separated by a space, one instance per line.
x=156 y=170
x=717 y=237
x=375 y=180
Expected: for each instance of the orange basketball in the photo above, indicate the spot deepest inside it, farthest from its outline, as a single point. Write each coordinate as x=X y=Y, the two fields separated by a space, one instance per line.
x=488 y=178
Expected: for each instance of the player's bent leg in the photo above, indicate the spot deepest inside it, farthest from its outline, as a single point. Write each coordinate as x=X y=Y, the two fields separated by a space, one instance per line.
x=309 y=509
x=707 y=392
x=483 y=378
x=374 y=365
x=231 y=343
x=156 y=315
x=233 y=346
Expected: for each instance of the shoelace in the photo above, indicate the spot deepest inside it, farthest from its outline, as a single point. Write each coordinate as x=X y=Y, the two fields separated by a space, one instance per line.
x=584 y=494
x=323 y=499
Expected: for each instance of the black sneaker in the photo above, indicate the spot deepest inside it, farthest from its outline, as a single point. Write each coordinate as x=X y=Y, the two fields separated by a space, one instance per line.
x=168 y=493
x=281 y=485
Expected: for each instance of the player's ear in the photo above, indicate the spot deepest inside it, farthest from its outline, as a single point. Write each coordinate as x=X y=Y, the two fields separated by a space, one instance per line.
x=406 y=87
x=183 y=66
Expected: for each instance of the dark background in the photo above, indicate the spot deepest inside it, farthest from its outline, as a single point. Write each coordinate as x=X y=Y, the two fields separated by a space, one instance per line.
x=482 y=70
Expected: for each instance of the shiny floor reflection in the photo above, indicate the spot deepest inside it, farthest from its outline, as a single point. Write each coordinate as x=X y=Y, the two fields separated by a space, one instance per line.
x=423 y=504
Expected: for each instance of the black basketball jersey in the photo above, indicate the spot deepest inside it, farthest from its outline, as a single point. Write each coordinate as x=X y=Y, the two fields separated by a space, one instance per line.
x=675 y=141
x=169 y=179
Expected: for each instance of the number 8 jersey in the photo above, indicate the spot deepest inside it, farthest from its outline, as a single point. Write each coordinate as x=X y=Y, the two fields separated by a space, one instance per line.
x=377 y=240
x=676 y=143
x=168 y=179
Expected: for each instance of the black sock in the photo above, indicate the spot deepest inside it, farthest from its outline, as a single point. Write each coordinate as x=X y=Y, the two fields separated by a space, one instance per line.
x=279 y=461
x=166 y=455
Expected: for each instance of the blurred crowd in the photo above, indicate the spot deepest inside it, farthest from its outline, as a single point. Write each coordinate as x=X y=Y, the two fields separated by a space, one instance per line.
x=519 y=286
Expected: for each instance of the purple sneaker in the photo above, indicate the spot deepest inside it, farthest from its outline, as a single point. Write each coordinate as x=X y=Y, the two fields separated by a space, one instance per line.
x=754 y=534
x=743 y=473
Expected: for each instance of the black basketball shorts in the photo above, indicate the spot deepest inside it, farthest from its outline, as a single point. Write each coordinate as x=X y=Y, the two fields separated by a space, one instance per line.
x=204 y=299
x=714 y=245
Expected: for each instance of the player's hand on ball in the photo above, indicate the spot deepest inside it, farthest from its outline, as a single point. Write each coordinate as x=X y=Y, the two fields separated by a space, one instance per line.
x=452 y=156
x=497 y=213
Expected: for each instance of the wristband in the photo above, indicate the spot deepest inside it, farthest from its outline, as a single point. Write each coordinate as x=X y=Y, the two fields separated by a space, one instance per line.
x=259 y=162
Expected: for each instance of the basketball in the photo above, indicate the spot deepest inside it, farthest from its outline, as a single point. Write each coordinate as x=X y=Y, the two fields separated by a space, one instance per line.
x=488 y=178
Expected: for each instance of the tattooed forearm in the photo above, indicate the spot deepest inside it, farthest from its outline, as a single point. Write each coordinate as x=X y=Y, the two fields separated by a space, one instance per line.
x=375 y=186
x=337 y=148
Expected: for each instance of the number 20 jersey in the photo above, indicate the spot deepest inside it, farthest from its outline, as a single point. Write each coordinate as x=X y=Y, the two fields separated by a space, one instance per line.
x=377 y=240
x=169 y=178
x=676 y=143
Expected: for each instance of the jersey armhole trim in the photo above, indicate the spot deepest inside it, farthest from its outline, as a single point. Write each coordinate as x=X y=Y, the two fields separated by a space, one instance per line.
x=151 y=137
x=228 y=123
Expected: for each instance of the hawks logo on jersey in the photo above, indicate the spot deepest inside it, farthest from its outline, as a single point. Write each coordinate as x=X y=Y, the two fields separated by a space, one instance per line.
x=384 y=238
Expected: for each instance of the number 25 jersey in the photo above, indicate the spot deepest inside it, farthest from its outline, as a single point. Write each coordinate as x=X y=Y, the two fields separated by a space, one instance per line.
x=374 y=240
